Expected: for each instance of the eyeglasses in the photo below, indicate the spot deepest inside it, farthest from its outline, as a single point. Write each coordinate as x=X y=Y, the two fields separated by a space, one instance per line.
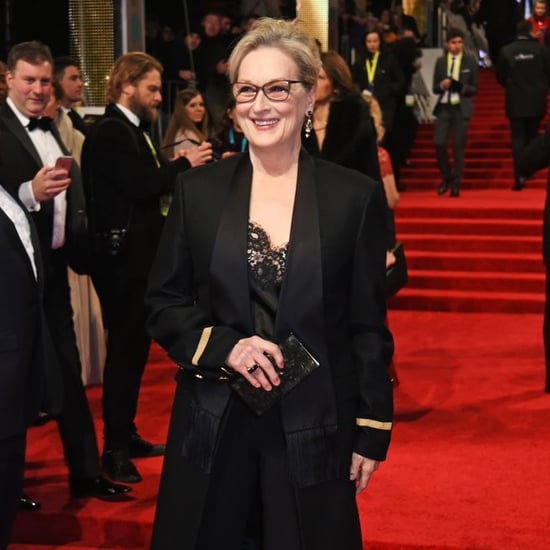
x=276 y=90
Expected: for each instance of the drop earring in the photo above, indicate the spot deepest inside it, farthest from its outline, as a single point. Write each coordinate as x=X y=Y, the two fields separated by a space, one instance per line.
x=309 y=124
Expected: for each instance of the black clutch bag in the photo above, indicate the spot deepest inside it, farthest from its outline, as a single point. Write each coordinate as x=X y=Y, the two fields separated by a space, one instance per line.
x=397 y=275
x=298 y=364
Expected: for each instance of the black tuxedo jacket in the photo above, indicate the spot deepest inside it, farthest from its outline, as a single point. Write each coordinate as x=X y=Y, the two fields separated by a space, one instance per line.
x=19 y=162
x=332 y=295
x=536 y=157
x=124 y=184
x=26 y=360
x=468 y=76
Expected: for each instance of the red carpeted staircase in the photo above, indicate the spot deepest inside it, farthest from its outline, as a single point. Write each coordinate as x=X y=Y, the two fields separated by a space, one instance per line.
x=481 y=251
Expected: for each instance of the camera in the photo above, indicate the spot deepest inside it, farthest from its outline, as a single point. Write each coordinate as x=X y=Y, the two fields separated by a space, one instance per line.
x=113 y=242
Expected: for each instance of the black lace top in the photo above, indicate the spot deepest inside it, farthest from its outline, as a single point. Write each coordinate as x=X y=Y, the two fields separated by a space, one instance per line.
x=266 y=262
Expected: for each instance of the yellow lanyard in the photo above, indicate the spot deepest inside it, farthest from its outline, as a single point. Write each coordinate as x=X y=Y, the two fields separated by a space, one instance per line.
x=371 y=67
x=152 y=147
x=454 y=67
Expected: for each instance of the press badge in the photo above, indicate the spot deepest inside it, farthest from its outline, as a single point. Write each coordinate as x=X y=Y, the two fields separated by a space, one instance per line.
x=455 y=98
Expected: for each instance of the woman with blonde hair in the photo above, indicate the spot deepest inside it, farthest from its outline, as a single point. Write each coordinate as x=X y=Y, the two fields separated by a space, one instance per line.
x=265 y=255
x=188 y=126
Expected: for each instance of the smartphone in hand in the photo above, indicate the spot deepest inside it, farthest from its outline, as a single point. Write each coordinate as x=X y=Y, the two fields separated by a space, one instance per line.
x=64 y=162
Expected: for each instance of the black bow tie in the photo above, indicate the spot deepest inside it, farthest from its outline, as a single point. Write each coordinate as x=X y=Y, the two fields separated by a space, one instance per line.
x=45 y=123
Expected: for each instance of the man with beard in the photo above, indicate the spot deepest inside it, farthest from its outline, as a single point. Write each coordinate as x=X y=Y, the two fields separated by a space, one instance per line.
x=128 y=184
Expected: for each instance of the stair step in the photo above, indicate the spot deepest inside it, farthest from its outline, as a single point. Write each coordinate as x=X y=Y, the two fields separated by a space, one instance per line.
x=470 y=243
x=458 y=226
x=468 y=301
x=475 y=261
x=488 y=282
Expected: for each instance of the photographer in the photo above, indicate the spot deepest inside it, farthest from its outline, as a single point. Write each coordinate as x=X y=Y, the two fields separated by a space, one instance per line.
x=128 y=184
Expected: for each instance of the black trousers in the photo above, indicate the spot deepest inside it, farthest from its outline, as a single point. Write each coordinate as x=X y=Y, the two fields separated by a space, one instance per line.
x=75 y=422
x=522 y=131
x=12 y=463
x=450 y=125
x=248 y=495
x=128 y=345
x=546 y=331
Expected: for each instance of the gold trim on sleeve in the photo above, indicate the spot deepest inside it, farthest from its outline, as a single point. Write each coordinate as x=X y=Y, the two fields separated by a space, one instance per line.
x=368 y=423
x=205 y=336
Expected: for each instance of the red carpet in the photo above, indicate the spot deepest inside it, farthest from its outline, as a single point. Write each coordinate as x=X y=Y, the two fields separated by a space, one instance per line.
x=468 y=467
x=481 y=251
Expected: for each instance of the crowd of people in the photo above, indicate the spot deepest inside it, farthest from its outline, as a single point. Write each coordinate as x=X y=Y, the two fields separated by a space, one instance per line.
x=277 y=163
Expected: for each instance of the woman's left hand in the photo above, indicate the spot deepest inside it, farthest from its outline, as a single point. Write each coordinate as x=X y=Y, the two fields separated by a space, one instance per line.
x=361 y=470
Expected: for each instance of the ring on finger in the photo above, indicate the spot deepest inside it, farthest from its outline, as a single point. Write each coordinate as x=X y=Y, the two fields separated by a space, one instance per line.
x=253 y=368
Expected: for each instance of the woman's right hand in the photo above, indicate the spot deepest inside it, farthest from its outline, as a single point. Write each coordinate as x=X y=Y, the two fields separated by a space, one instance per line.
x=249 y=357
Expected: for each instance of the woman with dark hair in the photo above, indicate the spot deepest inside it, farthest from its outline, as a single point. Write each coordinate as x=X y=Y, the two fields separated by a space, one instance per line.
x=188 y=126
x=231 y=137
x=342 y=127
x=377 y=72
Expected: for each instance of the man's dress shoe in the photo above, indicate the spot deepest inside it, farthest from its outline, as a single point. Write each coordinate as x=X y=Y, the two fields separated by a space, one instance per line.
x=519 y=184
x=118 y=466
x=98 y=487
x=27 y=503
x=139 y=448
x=443 y=188
x=455 y=192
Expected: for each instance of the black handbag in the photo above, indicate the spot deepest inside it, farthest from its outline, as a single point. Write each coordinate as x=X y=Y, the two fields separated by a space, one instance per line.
x=299 y=363
x=397 y=275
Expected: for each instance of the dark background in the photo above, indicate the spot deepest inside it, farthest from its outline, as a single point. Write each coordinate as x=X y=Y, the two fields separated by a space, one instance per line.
x=48 y=20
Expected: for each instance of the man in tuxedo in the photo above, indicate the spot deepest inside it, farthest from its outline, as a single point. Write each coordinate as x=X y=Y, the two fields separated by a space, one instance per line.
x=67 y=73
x=29 y=147
x=523 y=69
x=536 y=157
x=23 y=357
x=455 y=82
x=128 y=183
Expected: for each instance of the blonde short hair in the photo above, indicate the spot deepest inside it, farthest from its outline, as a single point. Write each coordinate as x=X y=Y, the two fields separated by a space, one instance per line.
x=289 y=37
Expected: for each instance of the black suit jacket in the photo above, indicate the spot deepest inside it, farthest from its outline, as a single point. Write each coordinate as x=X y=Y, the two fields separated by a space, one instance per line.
x=332 y=295
x=536 y=157
x=27 y=367
x=523 y=69
x=389 y=84
x=124 y=185
x=19 y=162
x=468 y=77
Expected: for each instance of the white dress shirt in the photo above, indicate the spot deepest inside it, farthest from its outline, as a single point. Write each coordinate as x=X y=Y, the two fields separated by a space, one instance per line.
x=17 y=216
x=49 y=151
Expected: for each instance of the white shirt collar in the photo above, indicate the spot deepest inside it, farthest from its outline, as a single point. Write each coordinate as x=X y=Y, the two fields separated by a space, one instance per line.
x=130 y=115
x=23 y=119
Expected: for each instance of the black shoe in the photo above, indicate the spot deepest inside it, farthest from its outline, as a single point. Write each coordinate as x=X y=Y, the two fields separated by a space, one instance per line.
x=118 y=466
x=455 y=192
x=98 y=487
x=443 y=188
x=139 y=448
x=27 y=503
x=519 y=184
